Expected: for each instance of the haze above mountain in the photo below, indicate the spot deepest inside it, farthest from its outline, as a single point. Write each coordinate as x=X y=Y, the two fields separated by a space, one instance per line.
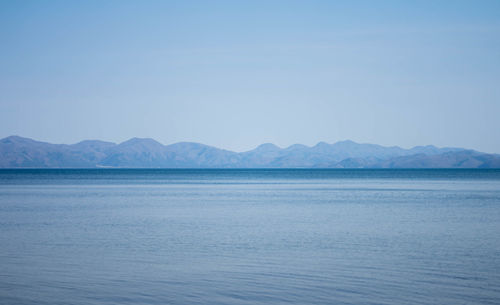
x=19 y=152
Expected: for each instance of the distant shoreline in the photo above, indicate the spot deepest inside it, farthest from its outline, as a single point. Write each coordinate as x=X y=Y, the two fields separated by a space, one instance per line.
x=19 y=152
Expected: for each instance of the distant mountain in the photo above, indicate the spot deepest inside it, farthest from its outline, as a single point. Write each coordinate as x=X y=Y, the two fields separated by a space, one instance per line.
x=18 y=152
x=22 y=152
x=136 y=153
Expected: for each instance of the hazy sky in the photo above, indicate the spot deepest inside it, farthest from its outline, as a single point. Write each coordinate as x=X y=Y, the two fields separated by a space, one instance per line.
x=237 y=74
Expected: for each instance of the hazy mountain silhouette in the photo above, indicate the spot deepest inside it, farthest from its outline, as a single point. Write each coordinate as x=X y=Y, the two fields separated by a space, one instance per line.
x=18 y=152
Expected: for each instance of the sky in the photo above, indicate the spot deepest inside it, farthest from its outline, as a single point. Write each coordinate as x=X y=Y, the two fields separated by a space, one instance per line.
x=236 y=74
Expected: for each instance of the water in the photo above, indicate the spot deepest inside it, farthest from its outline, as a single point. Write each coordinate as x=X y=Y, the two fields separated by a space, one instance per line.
x=250 y=236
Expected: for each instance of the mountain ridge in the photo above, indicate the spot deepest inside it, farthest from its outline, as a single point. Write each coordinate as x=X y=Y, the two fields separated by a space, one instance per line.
x=20 y=152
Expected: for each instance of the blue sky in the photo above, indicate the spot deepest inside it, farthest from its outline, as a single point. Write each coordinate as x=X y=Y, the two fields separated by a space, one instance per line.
x=236 y=74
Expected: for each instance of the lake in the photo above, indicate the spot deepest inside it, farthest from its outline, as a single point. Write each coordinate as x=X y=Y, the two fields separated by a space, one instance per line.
x=263 y=236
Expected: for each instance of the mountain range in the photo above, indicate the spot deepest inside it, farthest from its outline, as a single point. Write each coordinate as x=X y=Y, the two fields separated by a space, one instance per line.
x=19 y=152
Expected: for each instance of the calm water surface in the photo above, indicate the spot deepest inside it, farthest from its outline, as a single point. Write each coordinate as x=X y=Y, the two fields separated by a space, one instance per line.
x=249 y=236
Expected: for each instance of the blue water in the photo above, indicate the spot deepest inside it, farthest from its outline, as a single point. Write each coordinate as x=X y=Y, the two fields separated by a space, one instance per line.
x=249 y=236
